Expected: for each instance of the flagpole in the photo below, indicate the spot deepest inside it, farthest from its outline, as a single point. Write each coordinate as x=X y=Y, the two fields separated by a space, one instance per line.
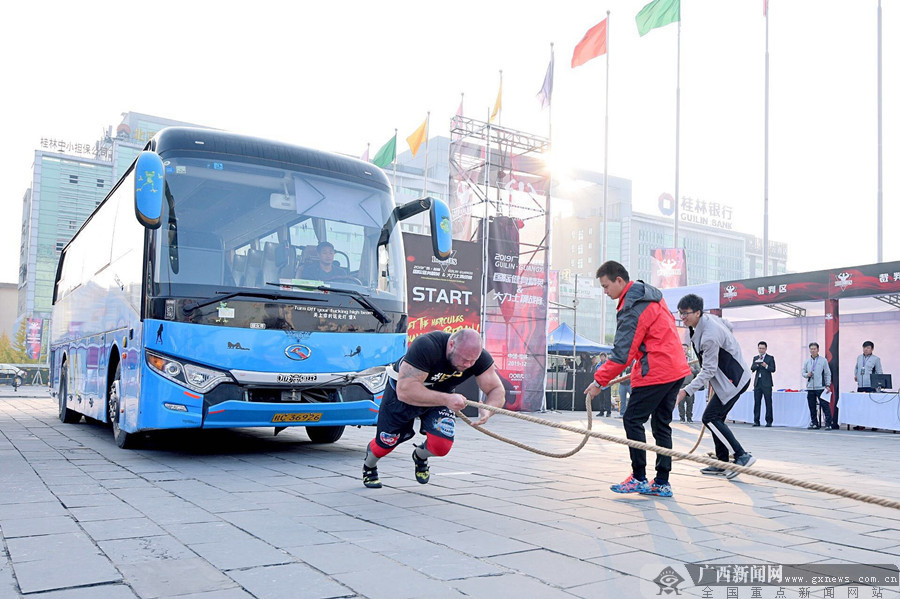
x=604 y=255
x=395 y=165
x=500 y=108
x=425 y=174
x=548 y=224
x=766 y=167
x=880 y=191
x=677 y=126
x=485 y=228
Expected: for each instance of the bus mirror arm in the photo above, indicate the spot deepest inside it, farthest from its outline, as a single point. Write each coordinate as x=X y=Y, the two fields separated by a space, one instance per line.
x=401 y=213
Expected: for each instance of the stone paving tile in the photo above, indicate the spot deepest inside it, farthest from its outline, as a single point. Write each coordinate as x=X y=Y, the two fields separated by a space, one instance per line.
x=478 y=543
x=106 y=591
x=290 y=581
x=555 y=569
x=125 y=528
x=171 y=578
x=339 y=558
x=57 y=561
x=396 y=582
x=132 y=551
x=28 y=527
x=513 y=586
x=247 y=553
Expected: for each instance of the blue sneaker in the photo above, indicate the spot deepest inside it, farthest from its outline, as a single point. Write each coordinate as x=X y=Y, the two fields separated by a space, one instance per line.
x=631 y=485
x=658 y=489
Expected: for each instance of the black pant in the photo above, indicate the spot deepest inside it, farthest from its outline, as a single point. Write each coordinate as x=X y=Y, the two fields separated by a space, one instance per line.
x=813 y=397
x=714 y=418
x=657 y=403
x=758 y=394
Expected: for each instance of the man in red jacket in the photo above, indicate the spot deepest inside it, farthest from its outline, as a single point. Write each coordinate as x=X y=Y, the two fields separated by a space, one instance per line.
x=645 y=332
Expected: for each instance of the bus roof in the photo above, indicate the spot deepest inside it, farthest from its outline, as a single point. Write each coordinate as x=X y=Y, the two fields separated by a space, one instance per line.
x=210 y=141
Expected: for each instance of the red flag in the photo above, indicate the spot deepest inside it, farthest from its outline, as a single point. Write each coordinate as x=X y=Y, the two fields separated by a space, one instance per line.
x=592 y=45
x=766 y=14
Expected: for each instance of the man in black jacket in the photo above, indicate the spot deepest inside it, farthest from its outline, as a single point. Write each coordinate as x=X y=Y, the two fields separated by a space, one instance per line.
x=763 y=365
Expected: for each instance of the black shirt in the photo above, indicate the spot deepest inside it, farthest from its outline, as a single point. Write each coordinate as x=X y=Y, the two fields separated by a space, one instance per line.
x=314 y=271
x=428 y=353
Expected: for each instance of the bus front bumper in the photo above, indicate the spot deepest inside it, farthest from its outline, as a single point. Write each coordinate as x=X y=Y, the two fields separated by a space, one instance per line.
x=230 y=414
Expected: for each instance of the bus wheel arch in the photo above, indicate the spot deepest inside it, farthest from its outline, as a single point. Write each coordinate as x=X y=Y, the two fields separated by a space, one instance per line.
x=66 y=415
x=113 y=403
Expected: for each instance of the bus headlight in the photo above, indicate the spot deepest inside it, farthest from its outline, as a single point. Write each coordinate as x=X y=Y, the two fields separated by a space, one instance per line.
x=196 y=378
x=373 y=382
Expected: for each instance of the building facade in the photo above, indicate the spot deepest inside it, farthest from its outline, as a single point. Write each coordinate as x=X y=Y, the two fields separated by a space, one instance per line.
x=69 y=180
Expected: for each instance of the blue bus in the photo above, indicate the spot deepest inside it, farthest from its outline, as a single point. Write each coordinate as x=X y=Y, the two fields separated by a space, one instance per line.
x=186 y=300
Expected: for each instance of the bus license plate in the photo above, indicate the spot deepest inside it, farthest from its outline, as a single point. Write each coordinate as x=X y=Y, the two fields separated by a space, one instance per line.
x=293 y=379
x=304 y=417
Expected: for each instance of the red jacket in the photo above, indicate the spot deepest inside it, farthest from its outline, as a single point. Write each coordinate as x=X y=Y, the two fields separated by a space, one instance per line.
x=645 y=331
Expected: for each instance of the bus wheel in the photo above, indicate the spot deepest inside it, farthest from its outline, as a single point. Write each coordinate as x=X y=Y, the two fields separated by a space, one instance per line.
x=123 y=439
x=324 y=434
x=65 y=414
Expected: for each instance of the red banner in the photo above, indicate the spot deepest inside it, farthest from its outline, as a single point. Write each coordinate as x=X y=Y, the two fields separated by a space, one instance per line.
x=33 y=336
x=668 y=268
x=516 y=315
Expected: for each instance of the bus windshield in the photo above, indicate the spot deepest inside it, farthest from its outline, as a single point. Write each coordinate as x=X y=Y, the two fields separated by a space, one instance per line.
x=228 y=226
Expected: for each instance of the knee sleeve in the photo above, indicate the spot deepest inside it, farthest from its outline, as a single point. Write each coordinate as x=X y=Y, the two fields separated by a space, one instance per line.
x=438 y=446
x=377 y=450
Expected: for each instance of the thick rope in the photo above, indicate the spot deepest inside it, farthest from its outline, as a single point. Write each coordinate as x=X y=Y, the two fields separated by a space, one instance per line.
x=567 y=454
x=699 y=459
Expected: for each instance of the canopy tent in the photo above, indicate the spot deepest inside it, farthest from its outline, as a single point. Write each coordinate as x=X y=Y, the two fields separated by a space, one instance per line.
x=562 y=338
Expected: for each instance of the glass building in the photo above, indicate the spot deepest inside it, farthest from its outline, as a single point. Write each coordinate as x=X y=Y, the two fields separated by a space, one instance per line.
x=69 y=180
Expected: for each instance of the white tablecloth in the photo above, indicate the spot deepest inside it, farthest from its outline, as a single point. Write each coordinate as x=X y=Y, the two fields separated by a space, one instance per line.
x=789 y=407
x=872 y=410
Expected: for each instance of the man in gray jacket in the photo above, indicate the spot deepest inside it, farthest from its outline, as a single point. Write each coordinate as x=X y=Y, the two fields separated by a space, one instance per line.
x=818 y=376
x=866 y=365
x=722 y=366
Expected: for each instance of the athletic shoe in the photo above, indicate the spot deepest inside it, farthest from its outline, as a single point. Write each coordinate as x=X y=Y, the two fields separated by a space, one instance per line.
x=631 y=485
x=745 y=460
x=422 y=474
x=713 y=471
x=658 y=489
x=370 y=478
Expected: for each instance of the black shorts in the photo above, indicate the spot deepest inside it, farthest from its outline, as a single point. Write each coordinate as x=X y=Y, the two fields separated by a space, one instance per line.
x=395 y=421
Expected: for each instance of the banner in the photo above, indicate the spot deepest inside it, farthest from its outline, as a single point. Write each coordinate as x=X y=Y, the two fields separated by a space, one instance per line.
x=668 y=268
x=443 y=295
x=516 y=315
x=857 y=281
x=33 y=336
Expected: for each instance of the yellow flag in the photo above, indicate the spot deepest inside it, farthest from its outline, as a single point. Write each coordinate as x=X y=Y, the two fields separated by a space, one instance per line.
x=498 y=104
x=418 y=136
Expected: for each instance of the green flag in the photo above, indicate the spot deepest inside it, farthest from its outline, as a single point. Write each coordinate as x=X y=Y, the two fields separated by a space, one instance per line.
x=658 y=14
x=386 y=154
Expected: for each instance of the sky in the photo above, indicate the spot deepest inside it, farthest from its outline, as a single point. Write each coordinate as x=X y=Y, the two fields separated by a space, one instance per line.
x=339 y=75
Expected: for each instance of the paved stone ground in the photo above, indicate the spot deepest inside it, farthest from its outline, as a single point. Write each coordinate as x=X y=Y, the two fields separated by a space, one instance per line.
x=241 y=514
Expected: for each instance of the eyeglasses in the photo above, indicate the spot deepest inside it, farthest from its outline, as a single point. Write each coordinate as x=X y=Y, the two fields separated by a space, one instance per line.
x=683 y=314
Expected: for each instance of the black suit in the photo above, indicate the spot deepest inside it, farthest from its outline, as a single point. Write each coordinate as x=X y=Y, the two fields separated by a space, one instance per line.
x=762 y=386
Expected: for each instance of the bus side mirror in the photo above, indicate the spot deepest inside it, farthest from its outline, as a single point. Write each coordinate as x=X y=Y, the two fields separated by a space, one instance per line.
x=441 y=229
x=149 y=182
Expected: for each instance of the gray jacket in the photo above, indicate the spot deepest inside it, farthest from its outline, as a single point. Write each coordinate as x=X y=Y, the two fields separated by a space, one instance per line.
x=821 y=377
x=721 y=361
x=865 y=368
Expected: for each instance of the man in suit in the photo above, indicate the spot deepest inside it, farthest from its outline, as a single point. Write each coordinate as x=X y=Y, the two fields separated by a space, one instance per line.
x=866 y=365
x=763 y=366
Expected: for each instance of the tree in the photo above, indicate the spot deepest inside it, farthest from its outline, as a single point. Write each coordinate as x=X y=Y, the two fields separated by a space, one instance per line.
x=7 y=353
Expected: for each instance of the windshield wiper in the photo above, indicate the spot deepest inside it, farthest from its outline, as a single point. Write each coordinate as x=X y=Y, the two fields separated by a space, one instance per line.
x=260 y=294
x=361 y=299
